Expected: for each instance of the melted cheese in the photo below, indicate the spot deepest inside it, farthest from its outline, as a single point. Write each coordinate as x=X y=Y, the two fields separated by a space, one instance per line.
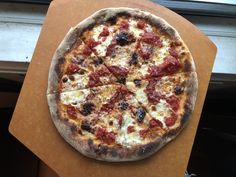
x=144 y=69
x=161 y=53
x=102 y=48
x=97 y=31
x=128 y=139
x=162 y=110
x=122 y=57
x=141 y=96
x=133 y=28
x=80 y=82
x=73 y=97
x=106 y=92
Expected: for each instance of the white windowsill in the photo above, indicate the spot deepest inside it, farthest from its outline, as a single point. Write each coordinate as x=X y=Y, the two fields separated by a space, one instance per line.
x=20 y=26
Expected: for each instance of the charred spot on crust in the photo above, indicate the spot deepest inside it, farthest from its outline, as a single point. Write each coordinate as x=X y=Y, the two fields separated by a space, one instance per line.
x=178 y=90
x=90 y=142
x=113 y=153
x=134 y=59
x=85 y=126
x=98 y=61
x=123 y=105
x=121 y=80
x=73 y=128
x=137 y=82
x=112 y=20
x=58 y=66
x=88 y=107
x=187 y=66
x=101 y=149
x=126 y=14
x=186 y=116
x=140 y=114
x=147 y=149
x=123 y=38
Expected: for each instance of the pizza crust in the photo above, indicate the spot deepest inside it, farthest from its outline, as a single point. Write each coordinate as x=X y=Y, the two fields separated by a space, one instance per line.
x=58 y=60
x=87 y=146
x=90 y=149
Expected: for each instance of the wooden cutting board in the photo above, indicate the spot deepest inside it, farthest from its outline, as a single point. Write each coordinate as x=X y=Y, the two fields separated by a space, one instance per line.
x=31 y=122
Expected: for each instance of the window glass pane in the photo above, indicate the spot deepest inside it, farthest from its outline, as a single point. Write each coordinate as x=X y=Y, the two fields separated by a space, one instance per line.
x=217 y=1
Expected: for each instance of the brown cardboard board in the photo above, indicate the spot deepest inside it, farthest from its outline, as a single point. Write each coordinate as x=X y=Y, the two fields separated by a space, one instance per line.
x=31 y=122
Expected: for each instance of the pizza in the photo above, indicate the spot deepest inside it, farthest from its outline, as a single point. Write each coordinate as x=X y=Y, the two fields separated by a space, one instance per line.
x=121 y=85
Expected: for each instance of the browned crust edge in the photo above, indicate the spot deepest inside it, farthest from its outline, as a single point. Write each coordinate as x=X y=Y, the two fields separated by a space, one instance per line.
x=192 y=87
x=55 y=71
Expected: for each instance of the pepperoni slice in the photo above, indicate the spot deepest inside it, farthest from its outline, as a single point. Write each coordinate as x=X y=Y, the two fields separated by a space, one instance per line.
x=155 y=123
x=71 y=112
x=87 y=51
x=170 y=66
x=105 y=32
x=173 y=102
x=124 y=24
x=91 y=43
x=170 y=121
x=151 y=38
x=143 y=133
x=130 y=129
x=153 y=96
x=141 y=24
x=111 y=48
x=94 y=78
x=120 y=120
x=173 y=52
x=145 y=52
x=72 y=68
x=119 y=95
x=107 y=137
x=118 y=71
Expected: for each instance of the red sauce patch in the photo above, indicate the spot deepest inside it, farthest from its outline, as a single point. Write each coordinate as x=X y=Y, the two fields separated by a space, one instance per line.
x=72 y=68
x=153 y=96
x=119 y=95
x=105 y=32
x=107 y=137
x=130 y=129
x=94 y=78
x=71 y=112
x=111 y=48
x=141 y=24
x=143 y=133
x=173 y=102
x=155 y=123
x=145 y=52
x=124 y=24
x=151 y=38
x=120 y=120
x=173 y=52
x=87 y=51
x=170 y=66
x=91 y=43
x=170 y=121
x=118 y=71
